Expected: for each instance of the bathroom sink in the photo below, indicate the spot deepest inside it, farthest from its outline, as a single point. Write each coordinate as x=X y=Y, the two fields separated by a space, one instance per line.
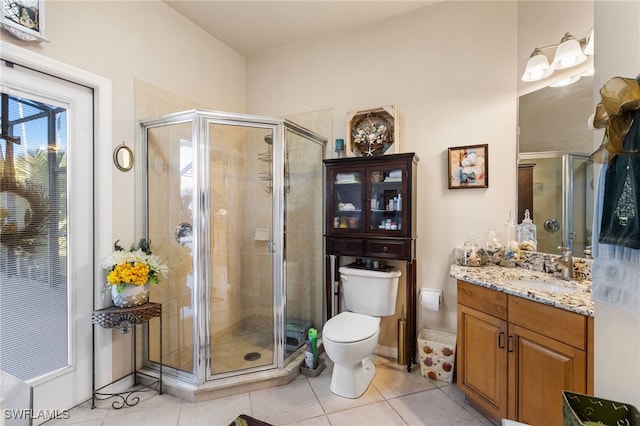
x=540 y=285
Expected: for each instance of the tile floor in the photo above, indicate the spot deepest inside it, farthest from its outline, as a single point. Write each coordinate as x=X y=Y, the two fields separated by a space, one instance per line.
x=395 y=397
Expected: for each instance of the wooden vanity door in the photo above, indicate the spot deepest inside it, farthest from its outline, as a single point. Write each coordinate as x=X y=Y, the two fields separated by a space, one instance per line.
x=541 y=368
x=482 y=364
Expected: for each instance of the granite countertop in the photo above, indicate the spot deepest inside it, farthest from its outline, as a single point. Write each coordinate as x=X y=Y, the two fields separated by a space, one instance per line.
x=572 y=295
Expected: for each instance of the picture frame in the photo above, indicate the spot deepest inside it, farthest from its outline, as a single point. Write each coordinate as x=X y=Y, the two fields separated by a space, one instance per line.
x=24 y=19
x=364 y=137
x=468 y=166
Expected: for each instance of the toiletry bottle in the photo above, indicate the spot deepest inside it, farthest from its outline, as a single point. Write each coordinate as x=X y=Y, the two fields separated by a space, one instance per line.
x=308 y=356
x=313 y=338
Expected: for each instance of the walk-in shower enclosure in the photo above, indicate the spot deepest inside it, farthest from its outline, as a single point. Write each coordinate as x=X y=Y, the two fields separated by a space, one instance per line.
x=562 y=200
x=234 y=204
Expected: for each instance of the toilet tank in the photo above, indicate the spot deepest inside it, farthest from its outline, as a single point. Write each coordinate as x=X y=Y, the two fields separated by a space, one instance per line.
x=368 y=291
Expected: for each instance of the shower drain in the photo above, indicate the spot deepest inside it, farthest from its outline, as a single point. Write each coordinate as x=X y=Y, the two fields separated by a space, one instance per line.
x=252 y=356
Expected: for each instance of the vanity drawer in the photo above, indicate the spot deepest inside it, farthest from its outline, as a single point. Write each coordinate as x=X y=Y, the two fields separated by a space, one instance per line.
x=346 y=246
x=389 y=249
x=483 y=299
x=559 y=324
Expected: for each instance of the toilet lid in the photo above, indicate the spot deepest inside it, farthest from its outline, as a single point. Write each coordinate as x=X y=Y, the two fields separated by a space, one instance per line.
x=350 y=327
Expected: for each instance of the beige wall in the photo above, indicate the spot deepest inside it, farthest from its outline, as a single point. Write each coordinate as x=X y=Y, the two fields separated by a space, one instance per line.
x=434 y=64
x=617 y=333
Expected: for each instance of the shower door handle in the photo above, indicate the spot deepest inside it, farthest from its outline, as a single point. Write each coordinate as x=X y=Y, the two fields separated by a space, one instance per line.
x=184 y=233
x=271 y=247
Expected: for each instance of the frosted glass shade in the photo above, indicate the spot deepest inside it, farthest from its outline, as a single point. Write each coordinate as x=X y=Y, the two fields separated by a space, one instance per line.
x=568 y=54
x=537 y=67
x=589 y=48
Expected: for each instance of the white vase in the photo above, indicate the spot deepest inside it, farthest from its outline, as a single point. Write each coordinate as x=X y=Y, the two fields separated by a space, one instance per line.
x=132 y=295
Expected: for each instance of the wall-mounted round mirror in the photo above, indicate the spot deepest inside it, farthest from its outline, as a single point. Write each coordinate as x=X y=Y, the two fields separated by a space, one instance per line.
x=123 y=158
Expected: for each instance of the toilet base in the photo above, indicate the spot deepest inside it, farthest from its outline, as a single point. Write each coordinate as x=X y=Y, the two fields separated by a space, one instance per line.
x=352 y=381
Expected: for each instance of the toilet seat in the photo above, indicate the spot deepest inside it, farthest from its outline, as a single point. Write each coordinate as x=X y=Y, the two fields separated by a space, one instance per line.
x=350 y=327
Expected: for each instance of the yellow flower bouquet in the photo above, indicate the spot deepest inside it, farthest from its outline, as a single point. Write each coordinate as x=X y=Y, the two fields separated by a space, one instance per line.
x=137 y=266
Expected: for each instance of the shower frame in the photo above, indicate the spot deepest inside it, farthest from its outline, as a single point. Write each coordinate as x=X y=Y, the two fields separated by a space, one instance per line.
x=201 y=140
x=567 y=188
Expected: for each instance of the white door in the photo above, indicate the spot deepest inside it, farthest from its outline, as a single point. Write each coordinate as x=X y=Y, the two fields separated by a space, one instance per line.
x=46 y=238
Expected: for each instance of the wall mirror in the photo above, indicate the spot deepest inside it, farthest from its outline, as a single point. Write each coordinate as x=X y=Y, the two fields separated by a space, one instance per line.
x=555 y=175
x=123 y=158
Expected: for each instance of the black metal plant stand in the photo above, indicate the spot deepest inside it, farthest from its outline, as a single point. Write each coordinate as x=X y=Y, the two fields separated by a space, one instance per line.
x=126 y=319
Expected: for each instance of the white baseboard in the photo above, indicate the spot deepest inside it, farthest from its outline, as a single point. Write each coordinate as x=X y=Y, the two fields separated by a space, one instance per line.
x=386 y=351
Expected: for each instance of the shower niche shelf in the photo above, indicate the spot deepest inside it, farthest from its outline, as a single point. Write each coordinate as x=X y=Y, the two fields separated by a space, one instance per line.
x=370 y=213
x=267 y=157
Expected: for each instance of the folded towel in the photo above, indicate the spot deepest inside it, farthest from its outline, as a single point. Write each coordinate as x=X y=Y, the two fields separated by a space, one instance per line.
x=345 y=177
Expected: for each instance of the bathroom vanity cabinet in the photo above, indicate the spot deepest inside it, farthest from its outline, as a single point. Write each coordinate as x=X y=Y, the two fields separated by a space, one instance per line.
x=516 y=356
x=370 y=214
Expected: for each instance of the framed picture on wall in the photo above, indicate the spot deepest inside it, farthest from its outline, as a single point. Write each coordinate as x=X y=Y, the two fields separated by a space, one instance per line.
x=469 y=166
x=24 y=19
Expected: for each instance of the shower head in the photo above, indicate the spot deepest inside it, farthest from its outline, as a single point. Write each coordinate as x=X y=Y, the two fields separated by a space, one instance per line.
x=269 y=138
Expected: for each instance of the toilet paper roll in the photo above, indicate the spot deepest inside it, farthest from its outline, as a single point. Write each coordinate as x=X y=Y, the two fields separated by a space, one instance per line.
x=430 y=298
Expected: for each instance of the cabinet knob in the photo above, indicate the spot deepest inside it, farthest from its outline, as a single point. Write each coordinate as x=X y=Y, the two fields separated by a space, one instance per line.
x=346 y=245
x=385 y=249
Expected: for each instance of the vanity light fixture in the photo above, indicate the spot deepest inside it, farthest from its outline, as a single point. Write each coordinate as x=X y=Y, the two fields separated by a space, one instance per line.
x=569 y=53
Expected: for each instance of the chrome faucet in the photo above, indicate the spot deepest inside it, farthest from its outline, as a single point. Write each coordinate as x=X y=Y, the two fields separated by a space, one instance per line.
x=565 y=263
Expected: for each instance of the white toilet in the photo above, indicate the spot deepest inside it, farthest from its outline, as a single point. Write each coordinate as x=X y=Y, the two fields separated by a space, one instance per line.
x=350 y=337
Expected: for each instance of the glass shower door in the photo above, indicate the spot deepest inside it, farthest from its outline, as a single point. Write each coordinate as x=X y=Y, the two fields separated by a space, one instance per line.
x=562 y=201
x=582 y=205
x=304 y=250
x=170 y=157
x=241 y=289
x=548 y=203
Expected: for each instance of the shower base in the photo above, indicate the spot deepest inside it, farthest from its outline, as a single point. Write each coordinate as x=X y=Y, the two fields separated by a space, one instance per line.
x=248 y=344
x=229 y=386
x=245 y=346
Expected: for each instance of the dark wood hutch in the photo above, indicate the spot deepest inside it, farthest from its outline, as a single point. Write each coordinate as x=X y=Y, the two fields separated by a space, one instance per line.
x=370 y=214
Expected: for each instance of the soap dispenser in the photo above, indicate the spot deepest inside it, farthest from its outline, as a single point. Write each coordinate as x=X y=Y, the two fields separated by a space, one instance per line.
x=527 y=233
